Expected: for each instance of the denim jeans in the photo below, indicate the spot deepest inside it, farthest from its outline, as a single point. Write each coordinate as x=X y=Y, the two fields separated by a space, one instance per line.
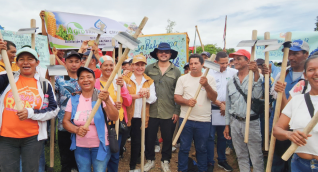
x=299 y=165
x=41 y=162
x=221 y=144
x=86 y=158
x=12 y=148
x=112 y=165
x=279 y=165
x=199 y=132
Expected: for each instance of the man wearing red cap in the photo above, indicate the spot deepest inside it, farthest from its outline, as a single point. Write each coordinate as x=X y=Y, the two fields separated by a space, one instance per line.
x=235 y=113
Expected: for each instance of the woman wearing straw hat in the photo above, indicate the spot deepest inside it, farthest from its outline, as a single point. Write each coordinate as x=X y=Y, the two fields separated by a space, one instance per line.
x=139 y=85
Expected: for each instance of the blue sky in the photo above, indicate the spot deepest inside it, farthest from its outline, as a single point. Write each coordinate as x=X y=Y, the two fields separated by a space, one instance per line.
x=208 y=15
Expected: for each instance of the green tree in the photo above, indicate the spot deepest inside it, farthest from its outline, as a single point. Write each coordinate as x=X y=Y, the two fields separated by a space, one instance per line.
x=316 y=28
x=170 y=26
x=213 y=49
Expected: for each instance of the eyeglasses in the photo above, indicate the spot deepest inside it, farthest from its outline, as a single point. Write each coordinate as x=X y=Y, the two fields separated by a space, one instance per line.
x=164 y=51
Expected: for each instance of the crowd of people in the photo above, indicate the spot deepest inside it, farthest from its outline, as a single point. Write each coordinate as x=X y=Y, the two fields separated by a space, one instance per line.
x=217 y=118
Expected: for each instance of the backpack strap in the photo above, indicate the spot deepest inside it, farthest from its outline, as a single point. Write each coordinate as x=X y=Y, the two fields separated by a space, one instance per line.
x=239 y=89
x=3 y=67
x=305 y=87
x=309 y=104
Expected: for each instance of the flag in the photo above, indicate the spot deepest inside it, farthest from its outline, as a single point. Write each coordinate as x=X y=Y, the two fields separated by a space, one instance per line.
x=224 y=35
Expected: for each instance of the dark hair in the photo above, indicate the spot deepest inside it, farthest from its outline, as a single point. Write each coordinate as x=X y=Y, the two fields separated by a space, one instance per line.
x=9 y=43
x=197 y=56
x=308 y=60
x=220 y=54
x=232 y=60
x=304 y=51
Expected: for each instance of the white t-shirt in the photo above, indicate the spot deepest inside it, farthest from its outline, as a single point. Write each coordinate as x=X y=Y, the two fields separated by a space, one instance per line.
x=186 y=87
x=298 y=88
x=296 y=109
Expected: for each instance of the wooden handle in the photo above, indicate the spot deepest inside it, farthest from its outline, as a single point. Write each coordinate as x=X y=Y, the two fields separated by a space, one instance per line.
x=89 y=58
x=52 y=80
x=196 y=27
x=18 y=103
x=249 y=91
x=114 y=50
x=112 y=76
x=143 y=127
x=120 y=51
x=278 y=105
x=266 y=37
x=292 y=148
x=33 y=25
x=212 y=58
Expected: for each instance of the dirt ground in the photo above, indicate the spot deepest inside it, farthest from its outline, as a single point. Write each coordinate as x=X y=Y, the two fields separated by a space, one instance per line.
x=124 y=163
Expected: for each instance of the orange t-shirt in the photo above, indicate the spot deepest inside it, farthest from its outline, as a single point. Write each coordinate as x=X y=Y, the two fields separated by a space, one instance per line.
x=11 y=124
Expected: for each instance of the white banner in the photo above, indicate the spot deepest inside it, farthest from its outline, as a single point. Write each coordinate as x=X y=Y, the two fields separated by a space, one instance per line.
x=68 y=30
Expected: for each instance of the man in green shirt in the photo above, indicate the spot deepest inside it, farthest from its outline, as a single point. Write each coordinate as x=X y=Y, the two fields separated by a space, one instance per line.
x=164 y=112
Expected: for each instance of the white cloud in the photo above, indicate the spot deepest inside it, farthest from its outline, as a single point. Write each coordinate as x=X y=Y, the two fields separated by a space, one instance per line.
x=209 y=15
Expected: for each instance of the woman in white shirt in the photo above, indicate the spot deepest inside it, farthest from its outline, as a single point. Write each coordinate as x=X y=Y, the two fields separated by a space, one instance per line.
x=296 y=116
x=139 y=85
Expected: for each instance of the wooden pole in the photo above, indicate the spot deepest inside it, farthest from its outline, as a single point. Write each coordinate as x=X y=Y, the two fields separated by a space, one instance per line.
x=266 y=37
x=196 y=27
x=292 y=148
x=89 y=58
x=33 y=25
x=52 y=79
x=212 y=58
x=114 y=50
x=249 y=93
x=120 y=51
x=143 y=126
x=112 y=76
x=18 y=103
x=278 y=105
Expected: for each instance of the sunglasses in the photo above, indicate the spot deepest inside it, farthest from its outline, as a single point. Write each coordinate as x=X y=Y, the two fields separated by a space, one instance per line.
x=164 y=51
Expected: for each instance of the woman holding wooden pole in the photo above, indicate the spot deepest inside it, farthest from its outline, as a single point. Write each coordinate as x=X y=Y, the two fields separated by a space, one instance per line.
x=296 y=115
x=23 y=128
x=107 y=67
x=139 y=85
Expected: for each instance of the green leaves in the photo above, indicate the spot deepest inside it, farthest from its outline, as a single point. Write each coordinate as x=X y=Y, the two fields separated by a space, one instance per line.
x=77 y=25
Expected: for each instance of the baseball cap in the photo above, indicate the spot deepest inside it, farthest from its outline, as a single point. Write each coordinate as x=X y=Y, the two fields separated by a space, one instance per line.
x=139 y=58
x=206 y=53
x=299 y=45
x=27 y=50
x=87 y=54
x=72 y=53
x=105 y=58
x=81 y=69
x=186 y=65
x=128 y=61
x=260 y=61
x=241 y=52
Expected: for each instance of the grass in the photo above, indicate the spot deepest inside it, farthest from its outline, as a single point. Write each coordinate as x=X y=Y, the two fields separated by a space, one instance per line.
x=57 y=162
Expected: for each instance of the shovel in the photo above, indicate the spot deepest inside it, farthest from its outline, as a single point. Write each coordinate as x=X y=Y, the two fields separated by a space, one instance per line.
x=120 y=51
x=251 y=43
x=279 y=96
x=209 y=64
x=292 y=148
x=143 y=126
x=99 y=32
x=18 y=103
x=118 y=65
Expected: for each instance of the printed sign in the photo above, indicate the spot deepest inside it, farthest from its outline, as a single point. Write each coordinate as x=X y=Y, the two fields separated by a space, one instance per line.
x=177 y=41
x=41 y=44
x=310 y=37
x=68 y=31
